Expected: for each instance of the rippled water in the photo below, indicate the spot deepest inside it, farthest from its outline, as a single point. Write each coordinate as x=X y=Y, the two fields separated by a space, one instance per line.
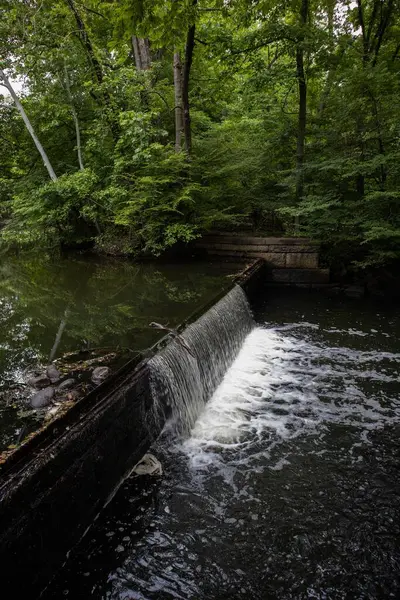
x=288 y=484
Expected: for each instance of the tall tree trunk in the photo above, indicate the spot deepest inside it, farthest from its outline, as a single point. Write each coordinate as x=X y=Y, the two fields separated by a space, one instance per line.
x=330 y=9
x=141 y=51
x=302 y=113
x=379 y=19
x=96 y=66
x=28 y=125
x=136 y=52
x=86 y=42
x=75 y=118
x=144 y=47
x=185 y=84
x=179 y=124
x=77 y=133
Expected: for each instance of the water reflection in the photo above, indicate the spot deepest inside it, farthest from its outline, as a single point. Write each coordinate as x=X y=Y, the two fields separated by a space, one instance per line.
x=52 y=306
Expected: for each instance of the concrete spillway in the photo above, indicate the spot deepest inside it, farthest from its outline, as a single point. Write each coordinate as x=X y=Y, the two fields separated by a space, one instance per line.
x=53 y=487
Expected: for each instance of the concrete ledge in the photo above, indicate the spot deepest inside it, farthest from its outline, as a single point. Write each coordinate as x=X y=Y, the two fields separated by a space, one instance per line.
x=300 y=276
x=281 y=253
x=254 y=248
x=225 y=238
x=48 y=502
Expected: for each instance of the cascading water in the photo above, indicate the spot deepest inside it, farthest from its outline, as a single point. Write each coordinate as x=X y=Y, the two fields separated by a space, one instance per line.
x=184 y=378
x=281 y=388
x=287 y=485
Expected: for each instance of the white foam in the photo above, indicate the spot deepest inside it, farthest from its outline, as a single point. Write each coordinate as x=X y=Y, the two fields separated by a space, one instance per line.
x=280 y=387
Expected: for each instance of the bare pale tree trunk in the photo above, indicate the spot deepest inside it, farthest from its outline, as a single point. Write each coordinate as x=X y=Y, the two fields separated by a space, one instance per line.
x=28 y=125
x=179 y=125
x=302 y=114
x=75 y=118
x=141 y=51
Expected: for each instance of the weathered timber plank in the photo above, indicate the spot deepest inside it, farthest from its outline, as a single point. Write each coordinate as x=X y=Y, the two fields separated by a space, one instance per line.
x=300 y=275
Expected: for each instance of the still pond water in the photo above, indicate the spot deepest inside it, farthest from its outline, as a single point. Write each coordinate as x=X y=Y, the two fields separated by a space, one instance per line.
x=49 y=307
x=288 y=484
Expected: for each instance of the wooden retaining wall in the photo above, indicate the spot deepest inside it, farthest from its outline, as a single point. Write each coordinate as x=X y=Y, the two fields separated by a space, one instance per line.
x=289 y=260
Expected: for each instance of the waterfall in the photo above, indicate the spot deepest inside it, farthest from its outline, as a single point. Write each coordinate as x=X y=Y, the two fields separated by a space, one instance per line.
x=183 y=380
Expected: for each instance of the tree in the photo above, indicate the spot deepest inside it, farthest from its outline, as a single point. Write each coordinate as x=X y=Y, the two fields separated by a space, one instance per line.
x=164 y=119
x=302 y=123
x=178 y=108
x=28 y=125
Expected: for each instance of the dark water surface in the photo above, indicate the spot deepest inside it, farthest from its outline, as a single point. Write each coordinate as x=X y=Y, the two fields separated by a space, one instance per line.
x=287 y=487
x=52 y=306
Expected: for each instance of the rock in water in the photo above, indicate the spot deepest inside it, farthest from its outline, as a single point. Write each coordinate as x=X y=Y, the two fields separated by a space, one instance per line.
x=149 y=465
x=42 y=398
x=67 y=384
x=53 y=373
x=39 y=381
x=100 y=374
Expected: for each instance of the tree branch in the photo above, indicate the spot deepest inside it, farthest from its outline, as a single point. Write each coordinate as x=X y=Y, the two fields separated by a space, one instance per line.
x=383 y=25
x=94 y=12
x=396 y=52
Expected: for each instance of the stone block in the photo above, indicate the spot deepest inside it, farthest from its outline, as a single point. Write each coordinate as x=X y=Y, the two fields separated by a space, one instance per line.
x=250 y=240
x=274 y=259
x=294 y=249
x=302 y=260
x=244 y=248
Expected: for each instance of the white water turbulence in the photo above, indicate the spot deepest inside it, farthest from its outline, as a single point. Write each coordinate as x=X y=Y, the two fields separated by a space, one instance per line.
x=284 y=484
x=185 y=374
x=281 y=387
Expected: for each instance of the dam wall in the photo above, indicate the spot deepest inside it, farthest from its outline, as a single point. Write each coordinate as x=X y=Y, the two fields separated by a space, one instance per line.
x=52 y=487
x=289 y=260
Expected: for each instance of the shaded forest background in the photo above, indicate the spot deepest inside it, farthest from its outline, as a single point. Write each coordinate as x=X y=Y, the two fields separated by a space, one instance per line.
x=153 y=121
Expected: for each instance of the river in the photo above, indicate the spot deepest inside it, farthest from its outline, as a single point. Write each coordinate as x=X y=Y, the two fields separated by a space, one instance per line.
x=287 y=486
x=87 y=305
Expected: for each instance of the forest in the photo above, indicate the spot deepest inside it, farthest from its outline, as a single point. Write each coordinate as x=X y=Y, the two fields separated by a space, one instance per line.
x=136 y=125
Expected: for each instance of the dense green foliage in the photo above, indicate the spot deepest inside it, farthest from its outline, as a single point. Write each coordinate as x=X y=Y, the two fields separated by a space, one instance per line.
x=294 y=122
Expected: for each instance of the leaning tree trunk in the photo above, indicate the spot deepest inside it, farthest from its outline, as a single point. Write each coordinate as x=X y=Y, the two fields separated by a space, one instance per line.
x=86 y=42
x=302 y=113
x=96 y=68
x=179 y=124
x=28 y=125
